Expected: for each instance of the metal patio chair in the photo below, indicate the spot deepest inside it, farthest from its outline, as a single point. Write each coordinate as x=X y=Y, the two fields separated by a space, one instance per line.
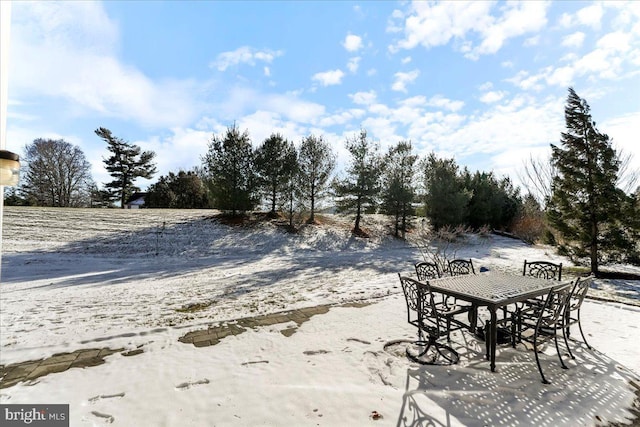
x=542 y=269
x=458 y=267
x=572 y=313
x=427 y=270
x=545 y=322
x=433 y=321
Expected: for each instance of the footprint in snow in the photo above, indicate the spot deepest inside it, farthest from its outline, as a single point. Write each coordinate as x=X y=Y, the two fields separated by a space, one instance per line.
x=105 y=417
x=188 y=385
x=314 y=352
x=358 y=340
x=95 y=399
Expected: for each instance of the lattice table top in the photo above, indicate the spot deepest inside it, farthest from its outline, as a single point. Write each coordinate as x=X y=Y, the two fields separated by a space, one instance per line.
x=493 y=287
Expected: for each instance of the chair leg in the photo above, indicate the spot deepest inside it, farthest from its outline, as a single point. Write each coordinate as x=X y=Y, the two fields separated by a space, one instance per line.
x=513 y=330
x=565 y=335
x=453 y=359
x=555 y=339
x=582 y=333
x=535 y=351
x=487 y=338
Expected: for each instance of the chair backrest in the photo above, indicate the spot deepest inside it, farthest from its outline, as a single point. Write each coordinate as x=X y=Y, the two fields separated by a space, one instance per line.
x=579 y=291
x=421 y=308
x=427 y=270
x=542 y=269
x=459 y=267
x=555 y=306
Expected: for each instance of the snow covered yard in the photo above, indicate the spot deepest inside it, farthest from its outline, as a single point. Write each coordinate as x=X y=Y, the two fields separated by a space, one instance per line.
x=74 y=278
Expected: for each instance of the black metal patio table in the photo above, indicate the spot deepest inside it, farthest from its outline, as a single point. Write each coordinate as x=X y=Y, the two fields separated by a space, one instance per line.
x=492 y=290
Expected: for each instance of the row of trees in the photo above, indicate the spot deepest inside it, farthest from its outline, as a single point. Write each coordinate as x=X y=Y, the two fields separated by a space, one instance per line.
x=290 y=179
x=584 y=209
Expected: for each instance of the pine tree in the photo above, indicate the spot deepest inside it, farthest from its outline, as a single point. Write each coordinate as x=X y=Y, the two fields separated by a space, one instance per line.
x=230 y=169
x=360 y=189
x=586 y=208
x=274 y=161
x=184 y=190
x=126 y=164
x=446 y=198
x=316 y=162
x=398 y=187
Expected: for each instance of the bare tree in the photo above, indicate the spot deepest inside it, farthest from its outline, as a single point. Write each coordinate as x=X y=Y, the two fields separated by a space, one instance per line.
x=536 y=177
x=57 y=174
x=628 y=176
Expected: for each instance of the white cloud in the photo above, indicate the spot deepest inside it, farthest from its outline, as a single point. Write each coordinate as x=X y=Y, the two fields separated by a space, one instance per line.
x=485 y=86
x=435 y=24
x=342 y=118
x=352 y=43
x=519 y=18
x=394 y=24
x=414 y=101
x=179 y=151
x=67 y=51
x=494 y=132
x=442 y=102
x=525 y=81
x=267 y=71
x=590 y=16
x=566 y=20
x=617 y=41
x=329 y=78
x=562 y=76
x=574 y=40
x=240 y=101
x=491 y=97
x=244 y=55
x=406 y=60
x=363 y=98
x=532 y=41
x=353 y=64
x=623 y=131
x=402 y=79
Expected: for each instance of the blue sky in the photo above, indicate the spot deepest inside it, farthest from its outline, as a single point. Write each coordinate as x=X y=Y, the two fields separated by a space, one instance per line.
x=483 y=82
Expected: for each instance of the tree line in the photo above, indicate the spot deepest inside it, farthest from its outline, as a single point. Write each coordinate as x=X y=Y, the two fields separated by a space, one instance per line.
x=585 y=213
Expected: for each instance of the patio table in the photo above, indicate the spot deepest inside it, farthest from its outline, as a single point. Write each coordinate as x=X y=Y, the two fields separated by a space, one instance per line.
x=492 y=290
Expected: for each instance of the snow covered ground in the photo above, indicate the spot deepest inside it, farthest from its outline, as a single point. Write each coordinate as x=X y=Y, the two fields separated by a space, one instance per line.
x=74 y=278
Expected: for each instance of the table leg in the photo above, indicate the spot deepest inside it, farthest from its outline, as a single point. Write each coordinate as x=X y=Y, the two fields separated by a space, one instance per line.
x=493 y=334
x=473 y=318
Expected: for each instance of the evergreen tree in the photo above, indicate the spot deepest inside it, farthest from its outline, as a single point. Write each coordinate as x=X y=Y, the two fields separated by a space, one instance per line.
x=316 y=162
x=359 y=191
x=126 y=164
x=100 y=198
x=184 y=190
x=586 y=208
x=398 y=187
x=230 y=169
x=446 y=198
x=274 y=161
x=494 y=202
x=291 y=187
